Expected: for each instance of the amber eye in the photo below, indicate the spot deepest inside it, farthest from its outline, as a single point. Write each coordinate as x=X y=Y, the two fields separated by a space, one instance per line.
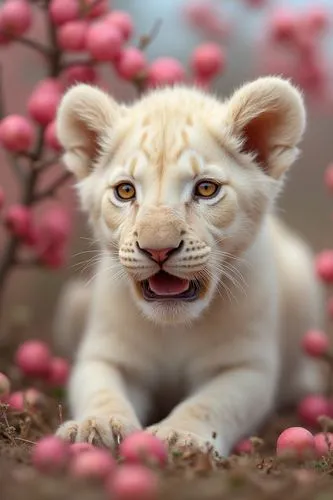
x=125 y=191
x=206 y=189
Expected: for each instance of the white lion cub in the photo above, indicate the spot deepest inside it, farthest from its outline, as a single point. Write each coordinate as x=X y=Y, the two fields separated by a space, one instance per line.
x=201 y=295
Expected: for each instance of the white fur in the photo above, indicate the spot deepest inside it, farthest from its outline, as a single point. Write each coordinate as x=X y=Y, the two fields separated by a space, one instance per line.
x=220 y=364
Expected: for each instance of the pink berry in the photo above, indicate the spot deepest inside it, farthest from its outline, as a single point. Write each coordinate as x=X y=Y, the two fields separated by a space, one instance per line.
x=208 y=60
x=63 y=11
x=79 y=74
x=16 y=16
x=53 y=257
x=18 y=220
x=132 y=63
x=165 y=71
x=244 y=446
x=329 y=176
x=122 y=21
x=4 y=386
x=54 y=227
x=58 y=372
x=295 y=440
x=44 y=101
x=32 y=398
x=311 y=408
x=323 y=443
x=51 y=138
x=104 y=41
x=2 y=197
x=94 y=463
x=317 y=19
x=324 y=266
x=206 y=17
x=50 y=454
x=283 y=25
x=315 y=343
x=78 y=448
x=141 y=446
x=133 y=481
x=16 y=133
x=33 y=358
x=16 y=401
x=72 y=36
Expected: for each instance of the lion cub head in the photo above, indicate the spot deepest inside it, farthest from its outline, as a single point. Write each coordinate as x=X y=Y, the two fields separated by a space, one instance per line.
x=177 y=185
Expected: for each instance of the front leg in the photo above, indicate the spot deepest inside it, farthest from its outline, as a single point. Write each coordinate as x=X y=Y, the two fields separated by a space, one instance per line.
x=99 y=399
x=225 y=409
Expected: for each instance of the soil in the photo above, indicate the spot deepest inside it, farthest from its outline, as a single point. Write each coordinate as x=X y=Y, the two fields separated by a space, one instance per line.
x=189 y=476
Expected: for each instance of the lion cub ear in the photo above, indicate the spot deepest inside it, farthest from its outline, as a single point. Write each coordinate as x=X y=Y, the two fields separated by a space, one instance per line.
x=85 y=115
x=268 y=115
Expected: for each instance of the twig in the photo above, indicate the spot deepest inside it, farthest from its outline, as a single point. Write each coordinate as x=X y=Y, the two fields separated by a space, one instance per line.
x=52 y=188
x=33 y=44
x=147 y=39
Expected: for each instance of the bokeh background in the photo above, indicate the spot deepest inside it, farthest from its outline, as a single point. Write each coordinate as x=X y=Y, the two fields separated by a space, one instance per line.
x=305 y=204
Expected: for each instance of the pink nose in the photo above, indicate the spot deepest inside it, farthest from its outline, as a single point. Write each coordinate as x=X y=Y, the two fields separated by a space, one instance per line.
x=159 y=255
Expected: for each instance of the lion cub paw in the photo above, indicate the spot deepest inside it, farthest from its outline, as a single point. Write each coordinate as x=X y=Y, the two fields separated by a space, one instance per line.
x=178 y=439
x=99 y=431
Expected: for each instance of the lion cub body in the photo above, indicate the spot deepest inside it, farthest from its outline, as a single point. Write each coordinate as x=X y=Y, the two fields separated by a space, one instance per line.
x=217 y=365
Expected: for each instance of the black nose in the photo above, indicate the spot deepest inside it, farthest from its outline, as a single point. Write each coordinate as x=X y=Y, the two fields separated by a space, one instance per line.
x=160 y=255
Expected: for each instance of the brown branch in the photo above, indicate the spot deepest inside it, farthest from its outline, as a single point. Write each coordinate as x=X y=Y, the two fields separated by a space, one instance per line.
x=146 y=40
x=53 y=187
x=29 y=197
x=33 y=44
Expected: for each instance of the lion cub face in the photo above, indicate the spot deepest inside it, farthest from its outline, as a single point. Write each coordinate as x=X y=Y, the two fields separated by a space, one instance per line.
x=178 y=184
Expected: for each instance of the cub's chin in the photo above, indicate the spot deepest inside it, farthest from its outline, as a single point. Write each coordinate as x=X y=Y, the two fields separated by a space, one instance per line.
x=168 y=299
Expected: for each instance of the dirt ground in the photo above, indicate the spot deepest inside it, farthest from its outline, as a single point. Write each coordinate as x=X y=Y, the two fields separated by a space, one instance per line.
x=260 y=476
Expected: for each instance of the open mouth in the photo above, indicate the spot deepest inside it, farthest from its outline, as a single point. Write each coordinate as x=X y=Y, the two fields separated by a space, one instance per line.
x=164 y=286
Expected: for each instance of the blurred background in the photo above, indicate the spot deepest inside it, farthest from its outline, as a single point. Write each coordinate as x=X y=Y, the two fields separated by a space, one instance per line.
x=244 y=29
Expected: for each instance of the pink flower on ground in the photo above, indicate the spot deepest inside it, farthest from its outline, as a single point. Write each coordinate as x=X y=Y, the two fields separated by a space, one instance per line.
x=311 y=408
x=50 y=454
x=132 y=481
x=323 y=443
x=94 y=463
x=244 y=446
x=58 y=372
x=295 y=441
x=141 y=446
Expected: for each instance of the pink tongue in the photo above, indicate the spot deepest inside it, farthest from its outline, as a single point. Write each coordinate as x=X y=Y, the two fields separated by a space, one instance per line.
x=165 y=284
